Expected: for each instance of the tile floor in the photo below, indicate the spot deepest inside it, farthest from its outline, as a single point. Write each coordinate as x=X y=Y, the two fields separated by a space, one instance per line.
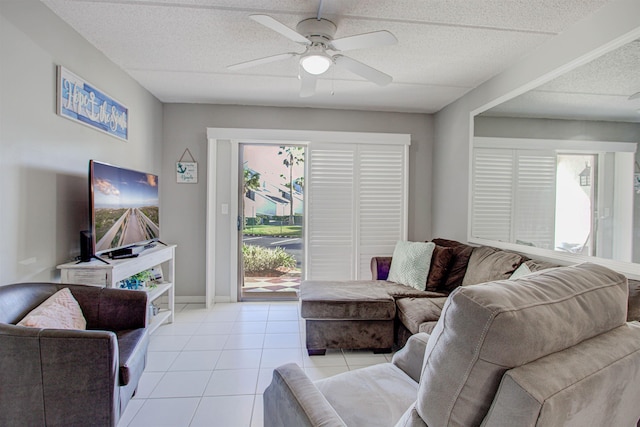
x=210 y=367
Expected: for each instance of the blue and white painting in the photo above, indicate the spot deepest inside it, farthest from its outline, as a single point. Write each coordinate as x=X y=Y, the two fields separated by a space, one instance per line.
x=80 y=101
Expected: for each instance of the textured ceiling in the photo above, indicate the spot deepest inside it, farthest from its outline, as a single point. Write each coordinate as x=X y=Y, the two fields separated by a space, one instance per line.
x=599 y=90
x=179 y=49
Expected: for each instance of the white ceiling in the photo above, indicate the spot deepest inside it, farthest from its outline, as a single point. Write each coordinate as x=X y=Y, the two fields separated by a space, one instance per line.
x=599 y=90
x=179 y=49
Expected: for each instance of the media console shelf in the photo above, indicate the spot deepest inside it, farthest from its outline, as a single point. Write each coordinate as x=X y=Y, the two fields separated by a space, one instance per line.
x=98 y=273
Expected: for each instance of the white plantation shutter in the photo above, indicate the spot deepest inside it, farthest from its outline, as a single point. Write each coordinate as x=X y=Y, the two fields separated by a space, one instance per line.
x=356 y=207
x=492 y=194
x=380 y=203
x=513 y=197
x=331 y=235
x=535 y=200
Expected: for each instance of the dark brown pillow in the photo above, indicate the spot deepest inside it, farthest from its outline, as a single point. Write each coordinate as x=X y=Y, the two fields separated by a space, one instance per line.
x=439 y=270
x=458 y=268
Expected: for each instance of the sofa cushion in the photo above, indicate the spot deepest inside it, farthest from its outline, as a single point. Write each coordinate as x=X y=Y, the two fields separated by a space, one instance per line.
x=413 y=312
x=485 y=330
x=439 y=270
x=397 y=290
x=562 y=389
x=487 y=264
x=352 y=299
x=59 y=311
x=374 y=396
x=458 y=267
x=410 y=264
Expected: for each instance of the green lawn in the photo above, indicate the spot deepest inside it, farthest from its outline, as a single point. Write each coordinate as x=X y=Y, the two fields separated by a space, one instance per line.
x=274 y=230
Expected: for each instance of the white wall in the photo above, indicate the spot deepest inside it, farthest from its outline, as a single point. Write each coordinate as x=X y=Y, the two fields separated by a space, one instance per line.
x=184 y=205
x=44 y=157
x=613 y=25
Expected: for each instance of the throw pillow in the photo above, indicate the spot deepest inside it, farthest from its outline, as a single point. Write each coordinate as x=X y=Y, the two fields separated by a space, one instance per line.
x=487 y=264
x=461 y=255
x=59 y=311
x=523 y=270
x=410 y=264
x=439 y=271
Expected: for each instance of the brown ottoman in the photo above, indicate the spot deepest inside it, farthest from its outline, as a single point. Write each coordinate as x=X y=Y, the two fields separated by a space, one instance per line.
x=347 y=314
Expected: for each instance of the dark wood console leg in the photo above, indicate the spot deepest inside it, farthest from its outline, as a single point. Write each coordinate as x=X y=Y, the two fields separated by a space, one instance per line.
x=317 y=351
x=381 y=350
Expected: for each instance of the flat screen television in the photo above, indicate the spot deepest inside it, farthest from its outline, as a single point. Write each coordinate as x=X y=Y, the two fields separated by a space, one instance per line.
x=124 y=206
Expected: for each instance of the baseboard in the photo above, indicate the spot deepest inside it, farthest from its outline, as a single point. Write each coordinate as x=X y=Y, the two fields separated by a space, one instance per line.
x=222 y=299
x=190 y=300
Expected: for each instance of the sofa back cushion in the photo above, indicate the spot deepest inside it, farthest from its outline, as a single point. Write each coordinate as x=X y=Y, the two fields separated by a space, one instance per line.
x=487 y=329
x=458 y=266
x=487 y=264
x=575 y=387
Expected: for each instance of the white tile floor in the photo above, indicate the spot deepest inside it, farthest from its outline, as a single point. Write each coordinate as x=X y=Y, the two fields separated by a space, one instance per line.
x=210 y=367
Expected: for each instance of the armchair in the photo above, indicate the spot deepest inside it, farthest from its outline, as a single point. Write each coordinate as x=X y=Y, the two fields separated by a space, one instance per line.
x=551 y=348
x=58 y=377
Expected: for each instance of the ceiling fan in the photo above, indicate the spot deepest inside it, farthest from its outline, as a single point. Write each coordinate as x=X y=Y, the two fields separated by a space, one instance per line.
x=322 y=50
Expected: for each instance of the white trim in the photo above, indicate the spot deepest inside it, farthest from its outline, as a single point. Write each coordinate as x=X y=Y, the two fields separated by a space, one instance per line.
x=298 y=136
x=234 y=289
x=623 y=207
x=555 y=144
x=223 y=299
x=210 y=246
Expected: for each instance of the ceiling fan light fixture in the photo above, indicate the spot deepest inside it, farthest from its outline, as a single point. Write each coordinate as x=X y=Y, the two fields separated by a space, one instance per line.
x=315 y=64
x=315 y=61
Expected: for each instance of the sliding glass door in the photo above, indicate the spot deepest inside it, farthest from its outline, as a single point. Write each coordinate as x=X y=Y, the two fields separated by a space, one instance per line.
x=270 y=221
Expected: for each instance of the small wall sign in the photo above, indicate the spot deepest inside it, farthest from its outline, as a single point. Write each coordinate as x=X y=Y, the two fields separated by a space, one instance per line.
x=187 y=172
x=80 y=101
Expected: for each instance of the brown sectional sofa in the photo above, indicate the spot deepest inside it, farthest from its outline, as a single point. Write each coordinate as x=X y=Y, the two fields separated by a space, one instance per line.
x=454 y=264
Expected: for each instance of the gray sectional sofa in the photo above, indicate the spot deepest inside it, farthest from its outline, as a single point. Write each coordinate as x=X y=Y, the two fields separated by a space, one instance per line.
x=379 y=314
x=551 y=348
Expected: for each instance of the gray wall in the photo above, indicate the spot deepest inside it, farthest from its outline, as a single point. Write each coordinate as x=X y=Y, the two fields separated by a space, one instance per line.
x=453 y=125
x=184 y=206
x=43 y=157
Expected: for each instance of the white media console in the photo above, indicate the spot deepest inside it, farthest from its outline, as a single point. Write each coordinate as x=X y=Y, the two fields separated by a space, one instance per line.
x=98 y=273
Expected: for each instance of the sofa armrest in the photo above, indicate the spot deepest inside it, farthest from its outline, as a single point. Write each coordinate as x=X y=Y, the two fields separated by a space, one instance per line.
x=293 y=400
x=122 y=309
x=410 y=357
x=380 y=266
x=59 y=375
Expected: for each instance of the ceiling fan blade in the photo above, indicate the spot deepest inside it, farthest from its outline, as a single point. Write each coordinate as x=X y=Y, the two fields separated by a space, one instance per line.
x=363 y=70
x=361 y=41
x=260 y=61
x=308 y=84
x=279 y=27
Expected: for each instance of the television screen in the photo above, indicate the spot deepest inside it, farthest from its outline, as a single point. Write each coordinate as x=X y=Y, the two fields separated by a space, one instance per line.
x=124 y=207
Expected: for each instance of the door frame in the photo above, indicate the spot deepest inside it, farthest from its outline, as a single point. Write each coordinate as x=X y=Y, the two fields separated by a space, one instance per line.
x=221 y=285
